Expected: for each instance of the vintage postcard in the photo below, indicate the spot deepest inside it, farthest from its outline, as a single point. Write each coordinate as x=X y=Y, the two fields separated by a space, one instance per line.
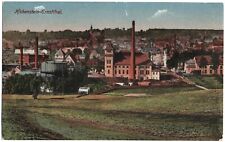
x=112 y=71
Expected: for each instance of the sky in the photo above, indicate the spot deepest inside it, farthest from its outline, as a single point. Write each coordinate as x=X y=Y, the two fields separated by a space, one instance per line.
x=80 y=16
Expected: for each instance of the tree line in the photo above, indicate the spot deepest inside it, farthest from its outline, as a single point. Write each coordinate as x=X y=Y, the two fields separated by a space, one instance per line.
x=187 y=55
x=108 y=33
x=60 y=82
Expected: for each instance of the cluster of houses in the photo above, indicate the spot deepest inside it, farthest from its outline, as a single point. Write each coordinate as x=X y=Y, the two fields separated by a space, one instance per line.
x=70 y=55
x=143 y=59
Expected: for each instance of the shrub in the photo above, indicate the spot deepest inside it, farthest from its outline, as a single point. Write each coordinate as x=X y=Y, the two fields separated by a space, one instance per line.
x=21 y=84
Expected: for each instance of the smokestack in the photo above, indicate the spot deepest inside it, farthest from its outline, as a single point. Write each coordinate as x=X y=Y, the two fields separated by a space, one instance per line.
x=21 y=55
x=36 y=53
x=132 y=53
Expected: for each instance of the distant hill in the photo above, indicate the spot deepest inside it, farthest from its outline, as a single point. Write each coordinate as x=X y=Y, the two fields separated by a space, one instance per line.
x=109 y=33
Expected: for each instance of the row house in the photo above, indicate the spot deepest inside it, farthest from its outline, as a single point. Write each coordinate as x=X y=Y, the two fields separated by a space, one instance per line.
x=194 y=65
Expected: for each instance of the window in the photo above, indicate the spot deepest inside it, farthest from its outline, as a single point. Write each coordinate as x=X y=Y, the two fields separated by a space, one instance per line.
x=127 y=72
x=210 y=71
x=119 y=71
x=142 y=66
x=141 y=72
x=147 y=72
x=123 y=72
x=115 y=71
x=108 y=71
x=108 y=61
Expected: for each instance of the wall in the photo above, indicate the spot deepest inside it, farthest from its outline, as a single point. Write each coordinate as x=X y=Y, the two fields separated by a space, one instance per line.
x=109 y=72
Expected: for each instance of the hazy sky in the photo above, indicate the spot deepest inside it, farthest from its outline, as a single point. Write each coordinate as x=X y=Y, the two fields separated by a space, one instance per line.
x=80 y=16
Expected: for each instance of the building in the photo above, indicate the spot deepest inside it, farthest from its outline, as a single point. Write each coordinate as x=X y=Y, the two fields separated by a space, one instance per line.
x=207 y=70
x=70 y=57
x=164 y=58
x=194 y=65
x=132 y=65
x=60 y=55
x=190 y=66
x=157 y=59
x=31 y=56
x=50 y=67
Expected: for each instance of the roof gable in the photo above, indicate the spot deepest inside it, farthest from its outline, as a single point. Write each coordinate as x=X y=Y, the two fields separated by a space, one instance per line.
x=70 y=58
x=59 y=53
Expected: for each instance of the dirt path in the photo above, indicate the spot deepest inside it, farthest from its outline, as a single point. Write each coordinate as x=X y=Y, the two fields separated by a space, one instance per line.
x=141 y=133
x=45 y=133
x=21 y=116
x=25 y=114
x=33 y=131
x=188 y=81
x=203 y=116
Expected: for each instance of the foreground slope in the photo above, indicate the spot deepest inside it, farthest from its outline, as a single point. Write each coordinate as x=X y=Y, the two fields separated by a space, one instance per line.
x=189 y=115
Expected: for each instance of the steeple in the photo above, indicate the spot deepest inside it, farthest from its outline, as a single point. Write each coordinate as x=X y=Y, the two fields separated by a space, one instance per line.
x=91 y=36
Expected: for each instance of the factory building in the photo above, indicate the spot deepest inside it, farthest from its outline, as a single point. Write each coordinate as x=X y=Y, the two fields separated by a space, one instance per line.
x=51 y=67
x=132 y=65
x=32 y=57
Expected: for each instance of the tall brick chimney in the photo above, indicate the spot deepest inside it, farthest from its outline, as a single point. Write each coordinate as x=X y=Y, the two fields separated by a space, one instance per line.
x=132 y=53
x=21 y=55
x=36 y=53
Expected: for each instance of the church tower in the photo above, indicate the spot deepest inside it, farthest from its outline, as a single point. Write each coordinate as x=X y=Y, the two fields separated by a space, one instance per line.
x=91 y=36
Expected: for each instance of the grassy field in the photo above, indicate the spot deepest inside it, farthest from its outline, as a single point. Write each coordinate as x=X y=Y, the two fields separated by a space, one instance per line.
x=211 y=82
x=151 y=91
x=175 y=115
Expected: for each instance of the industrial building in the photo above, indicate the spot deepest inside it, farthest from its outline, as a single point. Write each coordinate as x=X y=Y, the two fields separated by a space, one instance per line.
x=50 y=67
x=31 y=57
x=132 y=65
